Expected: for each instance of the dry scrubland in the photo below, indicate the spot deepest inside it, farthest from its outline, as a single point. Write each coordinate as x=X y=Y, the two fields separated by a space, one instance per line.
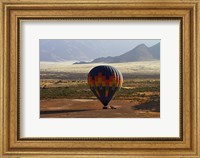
x=65 y=93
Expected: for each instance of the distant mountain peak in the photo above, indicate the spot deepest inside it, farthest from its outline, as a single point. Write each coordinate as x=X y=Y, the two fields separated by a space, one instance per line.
x=140 y=45
x=139 y=53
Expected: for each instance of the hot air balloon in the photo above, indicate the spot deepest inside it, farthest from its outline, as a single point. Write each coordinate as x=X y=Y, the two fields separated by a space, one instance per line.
x=104 y=82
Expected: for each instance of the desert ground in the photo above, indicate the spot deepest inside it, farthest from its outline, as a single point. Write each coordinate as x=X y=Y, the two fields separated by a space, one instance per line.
x=64 y=92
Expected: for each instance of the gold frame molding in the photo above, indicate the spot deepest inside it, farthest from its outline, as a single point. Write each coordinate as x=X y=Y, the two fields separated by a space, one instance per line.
x=12 y=12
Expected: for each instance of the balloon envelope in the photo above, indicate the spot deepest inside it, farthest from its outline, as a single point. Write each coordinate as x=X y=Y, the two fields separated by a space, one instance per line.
x=104 y=82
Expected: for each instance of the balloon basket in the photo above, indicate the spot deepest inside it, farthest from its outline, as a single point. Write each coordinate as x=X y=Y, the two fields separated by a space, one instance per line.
x=105 y=107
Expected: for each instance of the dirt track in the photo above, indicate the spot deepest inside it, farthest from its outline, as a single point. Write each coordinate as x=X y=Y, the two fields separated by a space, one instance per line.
x=88 y=108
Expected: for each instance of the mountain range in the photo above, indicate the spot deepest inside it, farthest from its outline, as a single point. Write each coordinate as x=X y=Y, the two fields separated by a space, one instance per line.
x=139 y=53
x=55 y=50
x=82 y=50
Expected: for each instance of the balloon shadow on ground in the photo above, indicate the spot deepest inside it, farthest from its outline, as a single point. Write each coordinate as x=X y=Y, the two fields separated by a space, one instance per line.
x=63 y=111
x=152 y=105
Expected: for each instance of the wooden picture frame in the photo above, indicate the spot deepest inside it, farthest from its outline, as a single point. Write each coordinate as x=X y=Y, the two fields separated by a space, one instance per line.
x=14 y=11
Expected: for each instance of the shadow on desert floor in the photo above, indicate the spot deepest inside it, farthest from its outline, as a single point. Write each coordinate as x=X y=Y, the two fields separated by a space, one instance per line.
x=64 y=111
x=153 y=106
